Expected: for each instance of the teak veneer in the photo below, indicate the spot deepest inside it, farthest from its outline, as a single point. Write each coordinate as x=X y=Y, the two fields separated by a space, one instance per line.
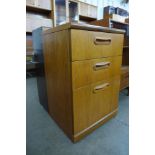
x=82 y=68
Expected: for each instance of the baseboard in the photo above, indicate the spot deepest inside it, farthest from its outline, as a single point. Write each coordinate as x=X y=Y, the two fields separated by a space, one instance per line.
x=91 y=128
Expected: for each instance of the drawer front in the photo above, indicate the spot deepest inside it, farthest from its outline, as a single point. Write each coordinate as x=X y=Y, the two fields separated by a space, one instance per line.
x=91 y=103
x=91 y=71
x=90 y=44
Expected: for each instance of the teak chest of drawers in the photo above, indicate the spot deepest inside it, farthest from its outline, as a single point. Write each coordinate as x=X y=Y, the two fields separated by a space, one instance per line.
x=82 y=68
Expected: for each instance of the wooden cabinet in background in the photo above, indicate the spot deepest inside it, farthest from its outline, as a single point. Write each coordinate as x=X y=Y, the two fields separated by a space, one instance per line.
x=43 y=4
x=87 y=10
x=73 y=11
x=38 y=13
x=83 y=9
x=115 y=13
x=83 y=79
x=92 y=11
x=31 y=2
x=34 y=21
x=124 y=77
x=108 y=10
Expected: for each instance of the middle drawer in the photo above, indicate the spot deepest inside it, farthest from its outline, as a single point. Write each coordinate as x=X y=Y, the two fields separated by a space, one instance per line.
x=94 y=70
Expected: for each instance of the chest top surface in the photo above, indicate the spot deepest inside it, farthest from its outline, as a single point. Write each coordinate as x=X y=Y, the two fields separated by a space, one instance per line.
x=86 y=27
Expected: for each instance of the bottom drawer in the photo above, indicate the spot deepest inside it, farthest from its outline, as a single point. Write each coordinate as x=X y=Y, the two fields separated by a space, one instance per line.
x=91 y=103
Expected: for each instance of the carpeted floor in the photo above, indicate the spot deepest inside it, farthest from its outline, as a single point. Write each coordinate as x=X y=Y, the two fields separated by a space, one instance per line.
x=45 y=138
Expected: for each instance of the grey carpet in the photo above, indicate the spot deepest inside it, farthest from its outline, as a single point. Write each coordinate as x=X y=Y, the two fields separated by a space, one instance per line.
x=45 y=138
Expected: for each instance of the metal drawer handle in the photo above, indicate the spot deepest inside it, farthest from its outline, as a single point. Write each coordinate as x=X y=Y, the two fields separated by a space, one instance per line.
x=101 y=87
x=102 y=41
x=101 y=65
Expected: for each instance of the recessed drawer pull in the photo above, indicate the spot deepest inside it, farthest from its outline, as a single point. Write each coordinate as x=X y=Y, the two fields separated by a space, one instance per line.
x=101 y=87
x=101 y=65
x=102 y=41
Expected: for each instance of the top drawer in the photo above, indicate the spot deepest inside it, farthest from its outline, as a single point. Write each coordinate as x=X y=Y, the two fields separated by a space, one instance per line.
x=91 y=44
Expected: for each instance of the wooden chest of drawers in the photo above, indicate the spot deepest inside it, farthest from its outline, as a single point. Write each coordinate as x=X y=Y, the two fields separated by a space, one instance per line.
x=82 y=68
